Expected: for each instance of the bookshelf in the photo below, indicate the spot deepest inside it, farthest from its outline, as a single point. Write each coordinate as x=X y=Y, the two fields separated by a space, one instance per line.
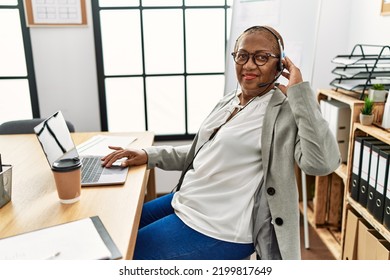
x=332 y=192
x=384 y=136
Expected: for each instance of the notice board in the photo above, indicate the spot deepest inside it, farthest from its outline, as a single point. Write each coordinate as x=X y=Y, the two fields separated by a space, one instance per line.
x=55 y=12
x=385 y=10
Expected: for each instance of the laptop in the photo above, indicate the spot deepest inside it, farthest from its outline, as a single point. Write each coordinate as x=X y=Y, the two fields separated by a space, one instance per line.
x=57 y=143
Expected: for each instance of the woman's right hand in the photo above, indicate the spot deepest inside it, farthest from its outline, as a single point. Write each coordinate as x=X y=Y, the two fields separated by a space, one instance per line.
x=292 y=74
x=134 y=157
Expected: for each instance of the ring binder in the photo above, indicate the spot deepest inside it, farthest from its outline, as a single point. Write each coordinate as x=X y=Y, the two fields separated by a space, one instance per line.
x=356 y=165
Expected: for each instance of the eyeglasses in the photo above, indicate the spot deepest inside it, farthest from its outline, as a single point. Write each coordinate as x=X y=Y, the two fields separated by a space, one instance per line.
x=259 y=58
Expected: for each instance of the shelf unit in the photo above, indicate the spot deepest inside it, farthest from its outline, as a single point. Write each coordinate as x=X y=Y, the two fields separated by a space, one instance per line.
x=384 y=136
x=365 y=66
x=355 y=105
x=330 y=190
x=338 y=198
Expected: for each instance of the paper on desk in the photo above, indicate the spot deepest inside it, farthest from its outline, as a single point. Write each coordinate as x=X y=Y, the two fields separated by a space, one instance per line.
x=98 y=145
x=77 y=240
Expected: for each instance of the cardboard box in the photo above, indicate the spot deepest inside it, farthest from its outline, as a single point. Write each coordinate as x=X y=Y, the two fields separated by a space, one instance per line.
x=362 y=247
x=383 y=250
x=362 y=242
x=372 y=239
x=379 y=247
x=351 y=233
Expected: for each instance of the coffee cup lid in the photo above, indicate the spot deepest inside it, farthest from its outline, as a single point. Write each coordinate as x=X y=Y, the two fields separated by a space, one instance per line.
x=68 y=164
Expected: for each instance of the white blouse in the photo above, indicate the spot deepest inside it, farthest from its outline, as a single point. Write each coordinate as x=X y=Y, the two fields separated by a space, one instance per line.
x=217 y=195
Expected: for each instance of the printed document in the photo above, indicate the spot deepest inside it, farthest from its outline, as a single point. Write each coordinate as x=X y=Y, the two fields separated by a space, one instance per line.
x=78 y=240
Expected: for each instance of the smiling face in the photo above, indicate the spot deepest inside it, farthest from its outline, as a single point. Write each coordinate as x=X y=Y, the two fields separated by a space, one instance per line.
x=250 y=75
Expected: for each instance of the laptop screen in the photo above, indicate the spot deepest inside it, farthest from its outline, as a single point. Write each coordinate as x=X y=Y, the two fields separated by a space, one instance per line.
x=55 y=139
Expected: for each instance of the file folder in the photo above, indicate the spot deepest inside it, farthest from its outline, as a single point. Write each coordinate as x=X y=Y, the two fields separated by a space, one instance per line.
x=386 y=212
x=373 y=175
x=365 y=170
x=356 y=163
x=381 y=184
x=363 y=229
x=351 y=236
x=383 y=250
x=338 y=116
x=374 y=239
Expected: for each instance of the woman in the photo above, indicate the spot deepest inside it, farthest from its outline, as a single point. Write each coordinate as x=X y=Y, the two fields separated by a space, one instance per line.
x=237 y=193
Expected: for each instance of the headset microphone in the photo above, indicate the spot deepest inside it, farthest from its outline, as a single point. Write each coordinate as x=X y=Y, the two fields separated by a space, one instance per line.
x=261 y=85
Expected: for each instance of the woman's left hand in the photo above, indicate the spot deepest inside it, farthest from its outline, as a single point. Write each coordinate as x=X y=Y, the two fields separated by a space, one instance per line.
x=293 y=75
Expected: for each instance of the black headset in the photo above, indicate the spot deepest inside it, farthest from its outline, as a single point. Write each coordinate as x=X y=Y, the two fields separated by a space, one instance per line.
x=279 y=66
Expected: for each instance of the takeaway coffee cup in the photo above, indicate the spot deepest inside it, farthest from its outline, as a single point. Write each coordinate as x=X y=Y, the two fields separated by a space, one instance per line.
x=67 y=175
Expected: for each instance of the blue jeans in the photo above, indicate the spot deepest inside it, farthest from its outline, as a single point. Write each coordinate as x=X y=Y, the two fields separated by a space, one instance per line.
x=163 y=236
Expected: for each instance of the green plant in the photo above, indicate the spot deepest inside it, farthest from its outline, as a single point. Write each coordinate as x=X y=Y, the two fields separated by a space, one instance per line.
x=378 y=86
x=367 y=107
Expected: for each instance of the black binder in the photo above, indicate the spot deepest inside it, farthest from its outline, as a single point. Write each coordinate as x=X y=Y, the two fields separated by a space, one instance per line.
x=365 y=169
x=373 y=175
x=356 y=163
x=386 y=212
x=381 y=184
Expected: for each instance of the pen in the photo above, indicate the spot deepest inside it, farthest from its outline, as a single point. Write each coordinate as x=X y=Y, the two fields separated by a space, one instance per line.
x=52 y=257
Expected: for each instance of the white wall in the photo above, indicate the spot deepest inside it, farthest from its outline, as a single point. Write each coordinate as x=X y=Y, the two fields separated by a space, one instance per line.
x=65 y=69
x=367 y=25
x=331 y=40
x=343 y=24
x=167 y=180
x=65 y=66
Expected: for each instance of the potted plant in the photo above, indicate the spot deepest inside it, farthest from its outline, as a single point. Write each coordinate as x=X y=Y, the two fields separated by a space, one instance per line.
x=377 y=93
x=366 y=113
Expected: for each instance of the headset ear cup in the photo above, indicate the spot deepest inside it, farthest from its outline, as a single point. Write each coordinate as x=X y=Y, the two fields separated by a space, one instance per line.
x=281 y=51
x=279 y=66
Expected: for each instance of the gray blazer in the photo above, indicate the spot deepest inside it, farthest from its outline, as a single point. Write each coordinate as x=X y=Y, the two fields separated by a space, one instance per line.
x=293 y=132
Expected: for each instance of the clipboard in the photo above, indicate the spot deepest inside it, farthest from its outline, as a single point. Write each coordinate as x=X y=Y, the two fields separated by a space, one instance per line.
x=115 y=253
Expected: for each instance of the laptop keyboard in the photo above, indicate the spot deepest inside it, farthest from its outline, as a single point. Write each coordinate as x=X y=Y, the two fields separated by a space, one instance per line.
x=91 y=169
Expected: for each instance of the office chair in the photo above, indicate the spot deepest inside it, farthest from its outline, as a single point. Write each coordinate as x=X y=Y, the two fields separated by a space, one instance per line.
x=25 y=126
